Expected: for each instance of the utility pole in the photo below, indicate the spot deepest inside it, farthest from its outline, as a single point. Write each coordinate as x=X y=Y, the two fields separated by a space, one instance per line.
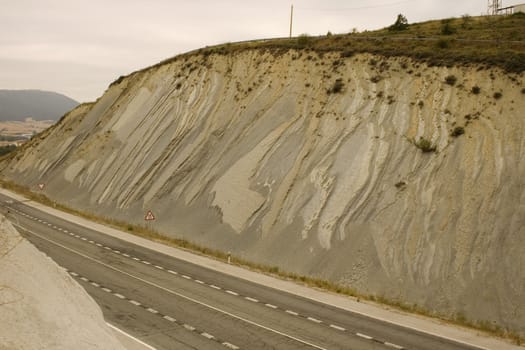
x=291 y=20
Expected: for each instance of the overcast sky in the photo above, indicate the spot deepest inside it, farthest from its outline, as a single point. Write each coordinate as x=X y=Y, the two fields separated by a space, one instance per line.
x=78 y=47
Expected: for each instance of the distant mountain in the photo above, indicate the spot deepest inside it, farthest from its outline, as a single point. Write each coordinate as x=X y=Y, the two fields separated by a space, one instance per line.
x=17 y=105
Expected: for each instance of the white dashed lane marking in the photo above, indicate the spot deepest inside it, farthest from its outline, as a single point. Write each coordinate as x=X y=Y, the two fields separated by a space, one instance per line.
x=364 y=336
x=120 y=296
x=253 y=300
x=338 y=328
x=188 y=327
x=153 y=311
x=292 y=312
x=395 y=346
x=314 y=320
x=171 y=319
x=271 y=306
x=230 y=346
x=215 y=287
x=232 y=293
x=207 y=335
x=134 y=302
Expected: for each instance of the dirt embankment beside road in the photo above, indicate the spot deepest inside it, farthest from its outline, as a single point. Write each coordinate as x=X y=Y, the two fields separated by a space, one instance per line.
x=41 y=306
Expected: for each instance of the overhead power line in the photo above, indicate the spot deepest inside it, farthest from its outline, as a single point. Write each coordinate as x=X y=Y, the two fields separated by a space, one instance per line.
x=391 y=4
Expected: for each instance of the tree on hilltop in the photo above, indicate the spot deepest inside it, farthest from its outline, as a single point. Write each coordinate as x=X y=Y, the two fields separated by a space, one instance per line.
x=400 y=24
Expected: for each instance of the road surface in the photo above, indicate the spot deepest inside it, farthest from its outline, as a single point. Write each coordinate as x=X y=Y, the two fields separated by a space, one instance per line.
x=173 y=304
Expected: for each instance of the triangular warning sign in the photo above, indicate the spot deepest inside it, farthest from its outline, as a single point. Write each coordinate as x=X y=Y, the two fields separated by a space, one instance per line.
x=149 y=216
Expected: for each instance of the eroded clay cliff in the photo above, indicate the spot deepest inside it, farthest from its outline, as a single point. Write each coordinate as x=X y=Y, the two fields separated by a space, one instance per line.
x=314 y=163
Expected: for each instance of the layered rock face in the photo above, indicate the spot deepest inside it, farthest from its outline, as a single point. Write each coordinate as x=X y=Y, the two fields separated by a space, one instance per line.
x=314 y=163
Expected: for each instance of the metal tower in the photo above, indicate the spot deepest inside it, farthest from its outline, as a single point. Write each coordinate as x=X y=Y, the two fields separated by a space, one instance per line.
x=494 y=6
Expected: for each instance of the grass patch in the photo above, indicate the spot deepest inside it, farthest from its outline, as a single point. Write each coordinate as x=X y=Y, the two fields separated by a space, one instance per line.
x=458 y=130
x=451 y=80
x=425 y=145
x=337 y=87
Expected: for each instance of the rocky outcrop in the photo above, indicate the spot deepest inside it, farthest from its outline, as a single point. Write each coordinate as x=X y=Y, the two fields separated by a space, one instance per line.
x=314 y=163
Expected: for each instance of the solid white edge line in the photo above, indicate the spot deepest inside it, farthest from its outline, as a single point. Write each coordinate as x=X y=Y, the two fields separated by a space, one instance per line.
x=130 y=336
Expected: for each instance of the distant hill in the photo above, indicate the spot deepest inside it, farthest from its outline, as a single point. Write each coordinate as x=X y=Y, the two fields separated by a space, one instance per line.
x=17 y=105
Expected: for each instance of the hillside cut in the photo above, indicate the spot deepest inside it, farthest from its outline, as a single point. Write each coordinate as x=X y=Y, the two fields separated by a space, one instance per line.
x=399 y=180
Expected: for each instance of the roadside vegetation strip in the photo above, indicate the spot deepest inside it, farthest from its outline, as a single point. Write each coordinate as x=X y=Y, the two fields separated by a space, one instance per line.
x=150 y=234
x=154 y=311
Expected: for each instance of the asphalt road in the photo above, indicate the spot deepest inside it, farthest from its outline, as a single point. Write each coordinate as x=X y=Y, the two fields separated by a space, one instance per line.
x=172 y=304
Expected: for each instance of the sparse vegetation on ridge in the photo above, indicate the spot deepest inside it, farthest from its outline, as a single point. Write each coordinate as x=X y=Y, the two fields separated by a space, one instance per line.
x=488 y=41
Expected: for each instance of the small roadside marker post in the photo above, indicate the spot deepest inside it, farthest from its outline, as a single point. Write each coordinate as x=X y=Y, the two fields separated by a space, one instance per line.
x=229 y=257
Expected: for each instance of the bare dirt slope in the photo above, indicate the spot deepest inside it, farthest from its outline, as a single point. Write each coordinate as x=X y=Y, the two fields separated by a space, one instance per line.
x=314 y=163
x=41 y=306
